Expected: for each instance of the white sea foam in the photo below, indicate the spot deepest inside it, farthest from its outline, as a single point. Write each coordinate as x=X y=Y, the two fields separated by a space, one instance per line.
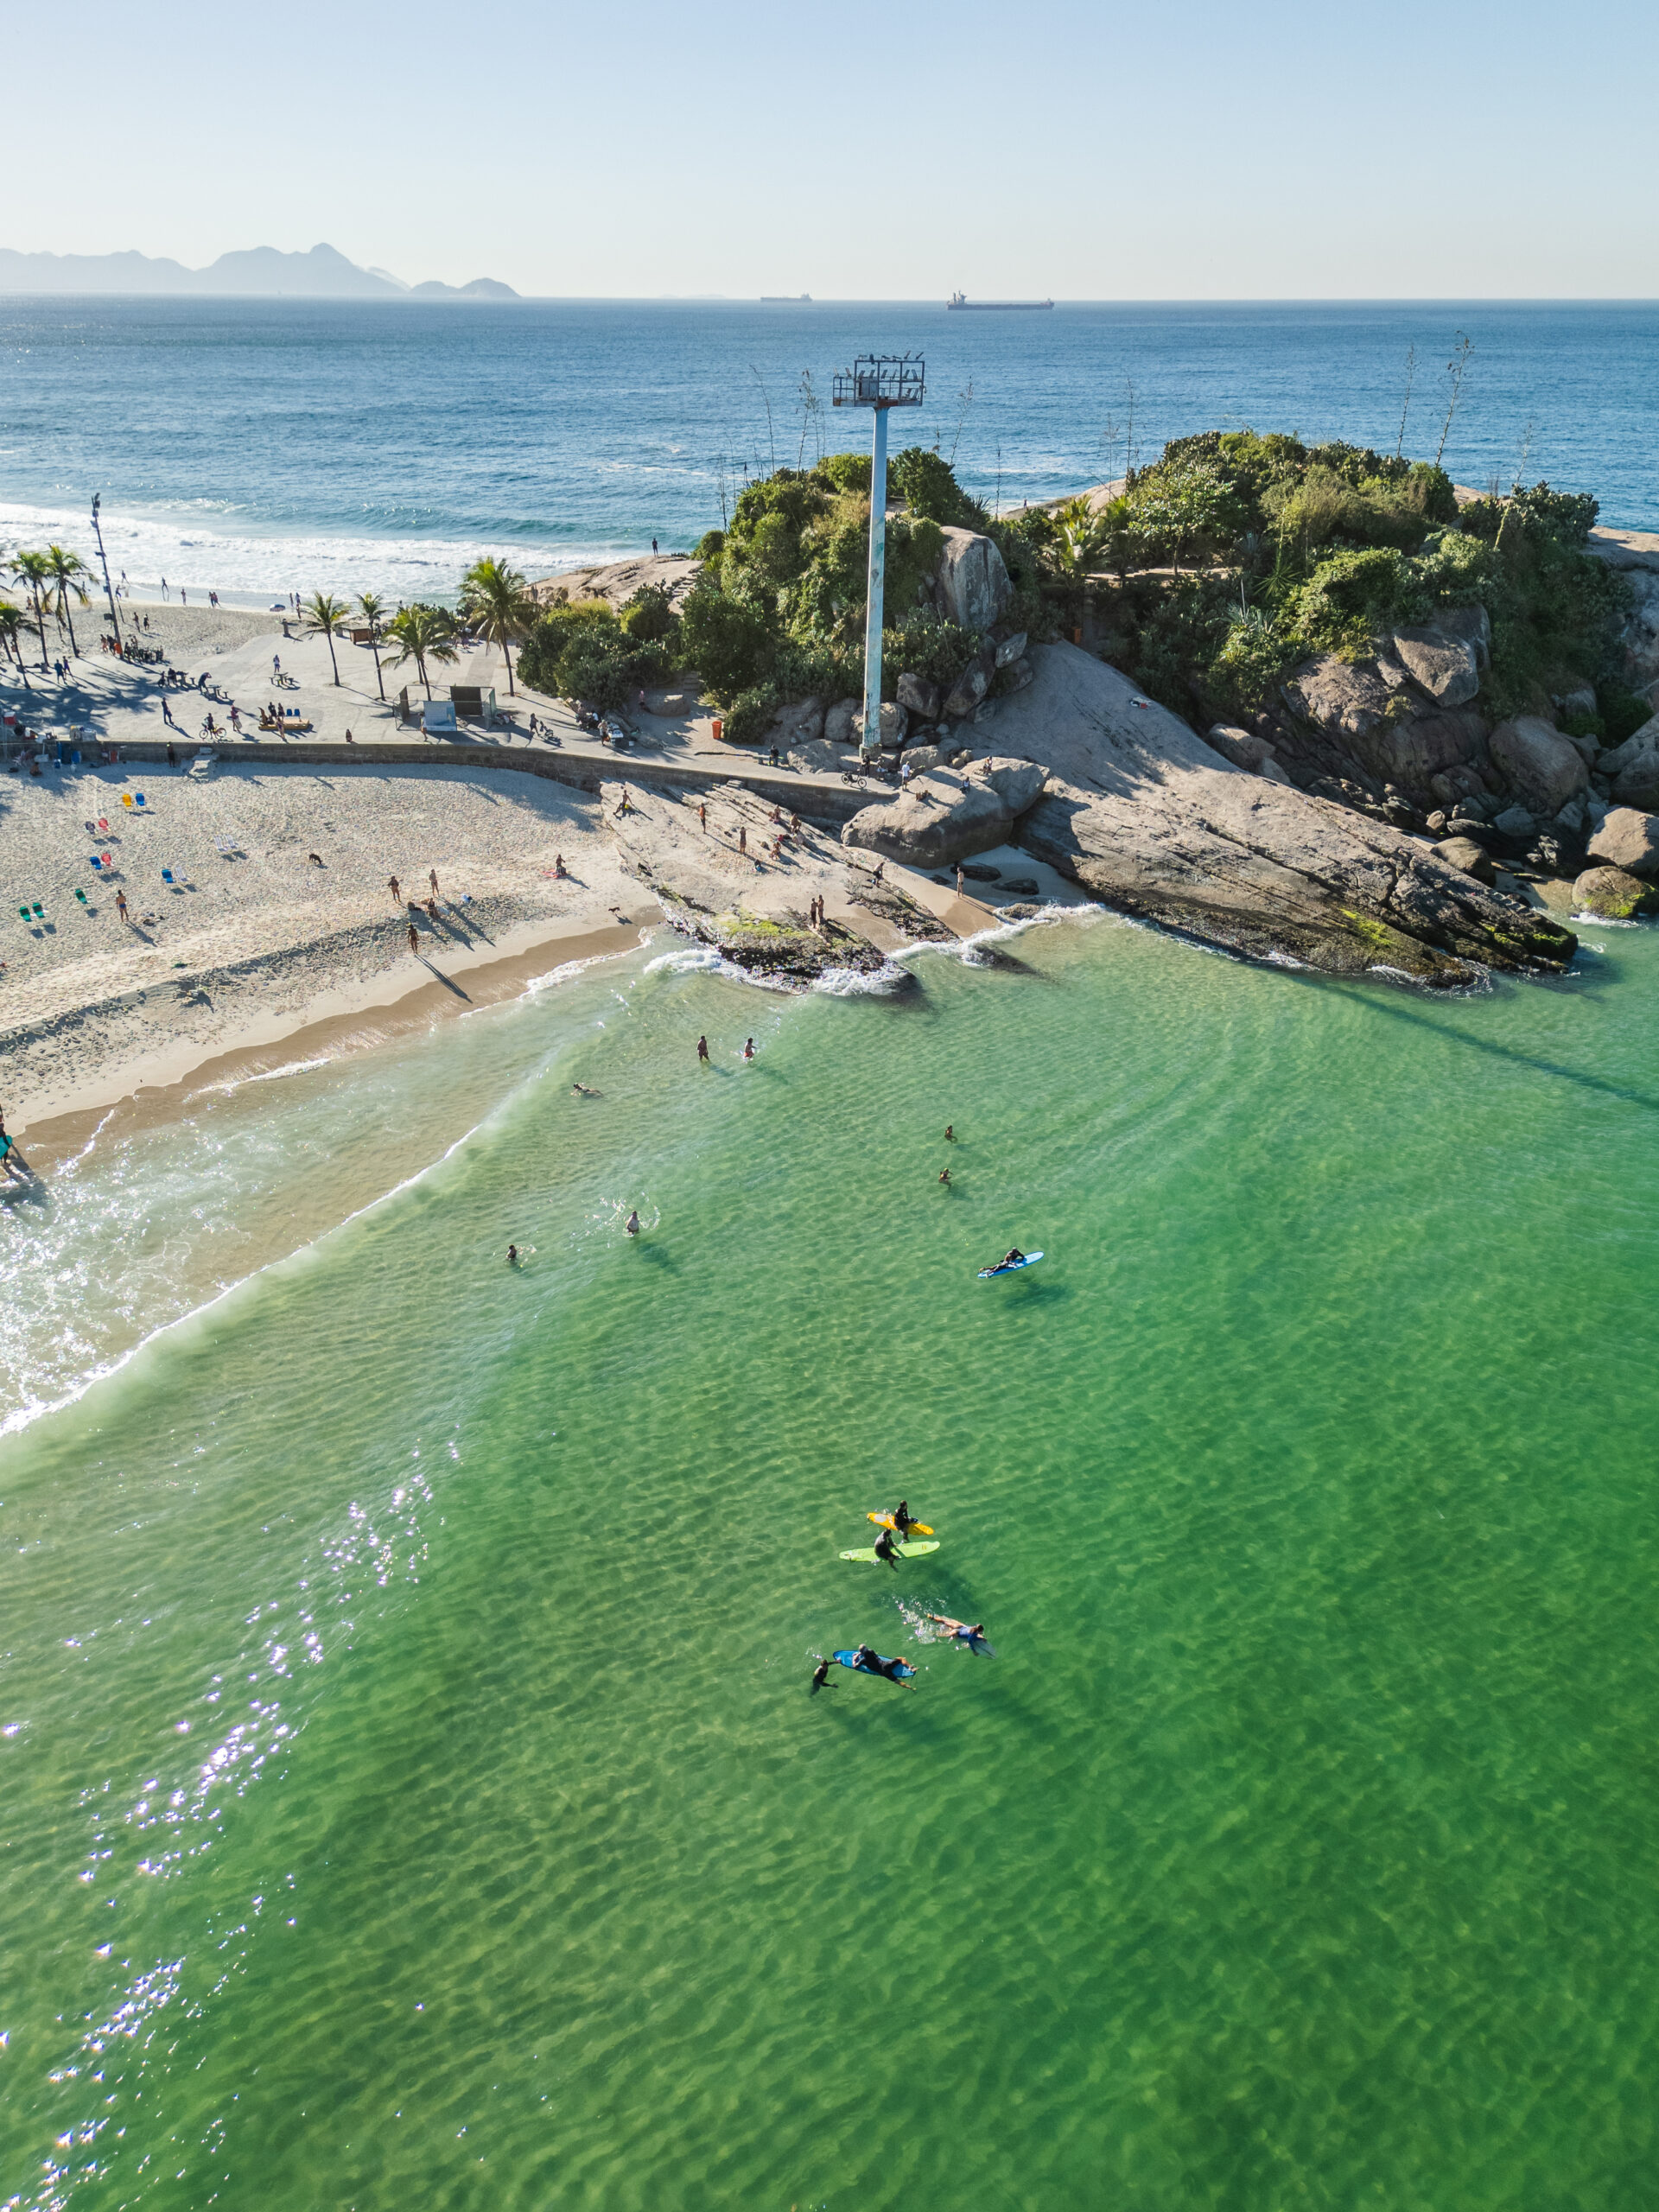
x=219 y=551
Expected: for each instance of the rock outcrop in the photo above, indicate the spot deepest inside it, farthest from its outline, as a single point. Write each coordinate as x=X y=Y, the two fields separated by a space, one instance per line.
x=1152 y=820
x=1629 y=840
x=1472 y=859
x=1444 y=667
x=971 y=581
x=1616 y=896
x=1538 y=764
x=948 y=815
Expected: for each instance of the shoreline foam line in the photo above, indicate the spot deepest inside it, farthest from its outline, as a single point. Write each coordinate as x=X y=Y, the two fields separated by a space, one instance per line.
x=367 y=1021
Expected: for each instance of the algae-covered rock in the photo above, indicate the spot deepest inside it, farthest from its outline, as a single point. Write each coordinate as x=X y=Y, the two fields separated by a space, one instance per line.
x=1615 y=895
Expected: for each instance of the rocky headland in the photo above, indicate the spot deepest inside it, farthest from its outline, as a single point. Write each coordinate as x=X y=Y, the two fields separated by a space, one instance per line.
x=1407 y=747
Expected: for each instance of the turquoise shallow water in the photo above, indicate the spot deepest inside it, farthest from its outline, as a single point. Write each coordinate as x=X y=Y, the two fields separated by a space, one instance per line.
x=410 y=1793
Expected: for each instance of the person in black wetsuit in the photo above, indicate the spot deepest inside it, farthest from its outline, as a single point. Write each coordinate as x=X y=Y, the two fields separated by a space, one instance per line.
x=883 y=1548
x=820 y=1677
x=901 y=1517
x=1012 y=1258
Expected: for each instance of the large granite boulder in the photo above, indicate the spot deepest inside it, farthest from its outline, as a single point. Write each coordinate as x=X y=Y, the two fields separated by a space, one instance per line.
x=939 y=819
x=894 y=723
x=841 y=721
x=1367 y=719
x=1628 y=839
x=1618 y=758
x=1150 y=820
x=1018 y=784
x=968 y=690
x=800 y=724
x=920 y=697
x=1472 y=624
x=1474 y=859
x=1540 y=767
x=971 y=581
x=1616 y=896
x=1011 y=649
x=1444 y=667
x=1346 y=699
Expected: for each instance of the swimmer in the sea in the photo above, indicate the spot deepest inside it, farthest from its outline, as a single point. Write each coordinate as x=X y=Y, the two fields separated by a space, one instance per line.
x=513 y=1255
x=633 y=1226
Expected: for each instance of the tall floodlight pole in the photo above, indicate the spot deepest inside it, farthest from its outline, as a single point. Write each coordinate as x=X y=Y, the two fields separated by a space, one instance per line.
x=98 y=532
x=879 y=382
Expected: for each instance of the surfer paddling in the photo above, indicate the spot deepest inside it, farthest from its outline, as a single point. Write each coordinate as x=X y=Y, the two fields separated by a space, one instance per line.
x=972 y=1634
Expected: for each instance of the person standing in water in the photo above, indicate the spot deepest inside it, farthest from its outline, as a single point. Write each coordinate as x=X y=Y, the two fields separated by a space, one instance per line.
x=749 y=1050
x=820 y=1677
x=944 y=1175
x=513 y=1255
x=702 y=1048
x=949 y=1133
x=633 y=1229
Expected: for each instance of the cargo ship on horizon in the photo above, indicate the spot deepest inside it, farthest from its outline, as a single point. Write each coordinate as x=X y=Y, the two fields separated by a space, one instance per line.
x=959 y=300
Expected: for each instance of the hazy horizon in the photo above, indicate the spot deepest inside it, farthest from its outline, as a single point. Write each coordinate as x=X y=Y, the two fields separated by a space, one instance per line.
x=1087 y=152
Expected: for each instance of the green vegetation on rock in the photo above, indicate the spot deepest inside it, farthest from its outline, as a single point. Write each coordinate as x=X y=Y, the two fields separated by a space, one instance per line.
x=1236 y=556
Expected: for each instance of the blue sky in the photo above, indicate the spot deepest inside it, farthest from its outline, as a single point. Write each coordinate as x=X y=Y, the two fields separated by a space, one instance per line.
x=1178 y=149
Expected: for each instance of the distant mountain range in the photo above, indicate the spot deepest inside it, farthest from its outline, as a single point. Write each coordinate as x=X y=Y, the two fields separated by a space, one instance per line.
x=260 y=272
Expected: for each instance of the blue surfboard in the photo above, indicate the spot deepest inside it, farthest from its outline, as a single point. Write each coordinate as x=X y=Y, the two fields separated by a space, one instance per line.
x=1005 y=1268
x=851 y=1659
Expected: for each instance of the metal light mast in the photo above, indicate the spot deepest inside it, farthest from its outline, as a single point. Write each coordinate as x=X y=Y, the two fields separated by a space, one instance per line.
x=98 y=532
x=878 y=381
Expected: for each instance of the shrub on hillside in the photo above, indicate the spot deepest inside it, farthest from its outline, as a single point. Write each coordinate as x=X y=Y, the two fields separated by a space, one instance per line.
x=728 y=641
x=927 y=485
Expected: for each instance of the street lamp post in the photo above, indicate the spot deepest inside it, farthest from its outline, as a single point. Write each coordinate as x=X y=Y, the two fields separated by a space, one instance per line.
x=879 y=382
x=98 y=532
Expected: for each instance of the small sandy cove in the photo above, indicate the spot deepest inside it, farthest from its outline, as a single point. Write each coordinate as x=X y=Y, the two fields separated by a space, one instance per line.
x=280 y=916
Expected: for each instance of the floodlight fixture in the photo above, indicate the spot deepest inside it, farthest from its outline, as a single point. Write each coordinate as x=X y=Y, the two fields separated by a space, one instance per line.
x=879 y=382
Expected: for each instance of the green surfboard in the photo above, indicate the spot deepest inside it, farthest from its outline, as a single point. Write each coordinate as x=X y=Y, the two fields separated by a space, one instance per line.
x=905 y=1551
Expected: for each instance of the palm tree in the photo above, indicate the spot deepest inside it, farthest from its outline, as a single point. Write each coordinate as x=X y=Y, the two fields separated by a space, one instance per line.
x=421 y=633
x=497 y=602
x=322 y=618
x=66 y=570
x=372 y=608
x=33 y=572
x=11 y=622
x=1083 y=532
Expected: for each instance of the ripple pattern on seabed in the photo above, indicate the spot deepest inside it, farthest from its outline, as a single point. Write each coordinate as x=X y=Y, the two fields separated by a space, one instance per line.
x=412 y=1789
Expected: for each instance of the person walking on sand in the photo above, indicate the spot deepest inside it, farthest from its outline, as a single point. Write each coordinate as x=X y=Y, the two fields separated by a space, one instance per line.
x=653 y=549
x=432 y=878
x=702 y=1048
x=397 y=895
x=277 y=668
x=558 y=865
x=958 y=879
x=743 y=840
x=172 y=757
x=702 y=813
x=414 y=938
x=121 y=906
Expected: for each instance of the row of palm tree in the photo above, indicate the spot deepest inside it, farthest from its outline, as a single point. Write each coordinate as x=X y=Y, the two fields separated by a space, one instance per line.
x=496 y=605
x=52 y=580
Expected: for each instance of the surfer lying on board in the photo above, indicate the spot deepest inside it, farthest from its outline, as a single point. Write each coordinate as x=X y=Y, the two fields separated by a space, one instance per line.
x=1010 y=1259
x=873 y=1663
x=972 y=1636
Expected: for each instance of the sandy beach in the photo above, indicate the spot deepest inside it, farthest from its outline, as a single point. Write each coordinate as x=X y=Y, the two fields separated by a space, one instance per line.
x=279 y=913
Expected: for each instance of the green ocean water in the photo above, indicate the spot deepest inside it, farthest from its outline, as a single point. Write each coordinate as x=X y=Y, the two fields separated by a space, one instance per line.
x=409 y=1791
